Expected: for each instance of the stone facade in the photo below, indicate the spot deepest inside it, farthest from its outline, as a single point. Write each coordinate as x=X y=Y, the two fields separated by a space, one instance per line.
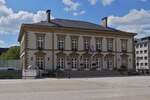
x=53 y=48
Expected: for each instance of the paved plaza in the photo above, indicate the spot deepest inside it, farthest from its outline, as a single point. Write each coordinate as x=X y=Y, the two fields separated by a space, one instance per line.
x=108 y=88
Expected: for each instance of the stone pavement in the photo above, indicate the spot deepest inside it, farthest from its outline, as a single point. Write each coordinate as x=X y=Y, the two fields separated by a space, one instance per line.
x=108 y=88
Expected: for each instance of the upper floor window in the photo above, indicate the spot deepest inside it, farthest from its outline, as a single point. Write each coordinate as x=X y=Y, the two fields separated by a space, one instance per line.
x=141 y=51
x=98 y=44
x=145 y=44
x=61 y=43
x=137 y=52
x=110 y=44
x=145 y=57
x=74 y=43
x=145 y=51
x=137 y=45
x=40 y=41
x=146 y=64
x=124 y=45
x=86 y=44
x=141 y=45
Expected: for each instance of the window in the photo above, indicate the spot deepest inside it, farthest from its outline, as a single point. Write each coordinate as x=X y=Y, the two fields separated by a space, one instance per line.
x=86 y=44
x=61 y=43
x=145 y=57
x=145 y=44
x=141 y=45
x=137 y=45
x=40 y=62
x=137 y=52
x=145 y=51
x=74 y=63
x=141 y=64
x=74 y=44
x=141 y=51
x=145 y=64
x=110 y=44
x=110 y=63
x=40 y=41
x=98 y=44
x=99 y=62
x=137 y=64
x=61 y=63
x=86 y=63
x=124 y=45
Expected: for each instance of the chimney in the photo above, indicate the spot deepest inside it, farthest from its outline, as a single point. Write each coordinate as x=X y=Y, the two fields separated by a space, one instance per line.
x=104 y=22
x=48 y=12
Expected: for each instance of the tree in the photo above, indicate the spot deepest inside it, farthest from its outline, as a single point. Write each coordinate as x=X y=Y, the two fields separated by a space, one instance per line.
x=12 y=53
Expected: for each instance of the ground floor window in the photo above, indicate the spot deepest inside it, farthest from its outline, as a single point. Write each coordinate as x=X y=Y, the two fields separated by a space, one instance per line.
x=40 y=62
x=110 y=63
x=74 y=63
x=124 y=60
x=99 y=63
x=86 y=63
x=60 y=63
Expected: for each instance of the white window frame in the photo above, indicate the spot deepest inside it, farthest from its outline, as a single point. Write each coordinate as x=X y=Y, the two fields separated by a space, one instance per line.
x=124 y=44
x=87 y=63
x=98 y=44
x=61 y=44
x=40 y=41
x=99 y=63
x=61 y=63
x=74 y=63
x=74 y=44
x=110 y=44
x=40 y=62
x=86 y=44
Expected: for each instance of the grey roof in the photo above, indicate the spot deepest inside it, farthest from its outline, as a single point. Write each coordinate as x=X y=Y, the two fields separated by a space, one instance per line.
x=73 y=24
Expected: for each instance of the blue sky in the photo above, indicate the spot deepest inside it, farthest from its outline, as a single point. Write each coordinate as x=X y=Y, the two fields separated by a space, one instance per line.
x=127 y=15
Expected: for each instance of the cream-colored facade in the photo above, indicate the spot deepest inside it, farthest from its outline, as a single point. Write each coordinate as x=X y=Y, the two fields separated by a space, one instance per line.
x=50 y=55
x=78 y=46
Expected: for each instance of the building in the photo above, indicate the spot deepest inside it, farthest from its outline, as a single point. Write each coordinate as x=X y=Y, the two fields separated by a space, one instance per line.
x=142 y=52
x=62 y=44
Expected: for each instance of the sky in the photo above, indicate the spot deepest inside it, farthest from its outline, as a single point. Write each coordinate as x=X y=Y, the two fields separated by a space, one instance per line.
x=126 y=15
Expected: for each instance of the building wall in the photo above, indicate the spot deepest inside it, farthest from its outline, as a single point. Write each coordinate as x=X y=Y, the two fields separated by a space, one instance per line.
x=31 y=48
x=140 y=54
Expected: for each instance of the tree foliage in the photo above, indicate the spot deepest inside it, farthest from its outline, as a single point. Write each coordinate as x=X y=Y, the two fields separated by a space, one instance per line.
x=12 y=53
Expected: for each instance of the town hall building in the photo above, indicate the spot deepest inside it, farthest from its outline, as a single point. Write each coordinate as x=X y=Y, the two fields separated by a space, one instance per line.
x=64 y=44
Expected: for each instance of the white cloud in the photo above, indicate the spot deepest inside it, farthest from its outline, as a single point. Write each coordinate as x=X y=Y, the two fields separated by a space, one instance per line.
x=92 y=2
x=104 y=2
x=71 y=5
x=143 y=0
x=137 y=21
x=10 y=21
x=107 y=2
x=1 y=42
x=79 y=13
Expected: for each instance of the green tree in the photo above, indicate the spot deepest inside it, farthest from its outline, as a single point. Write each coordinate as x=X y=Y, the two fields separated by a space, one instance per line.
x=12 y=53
